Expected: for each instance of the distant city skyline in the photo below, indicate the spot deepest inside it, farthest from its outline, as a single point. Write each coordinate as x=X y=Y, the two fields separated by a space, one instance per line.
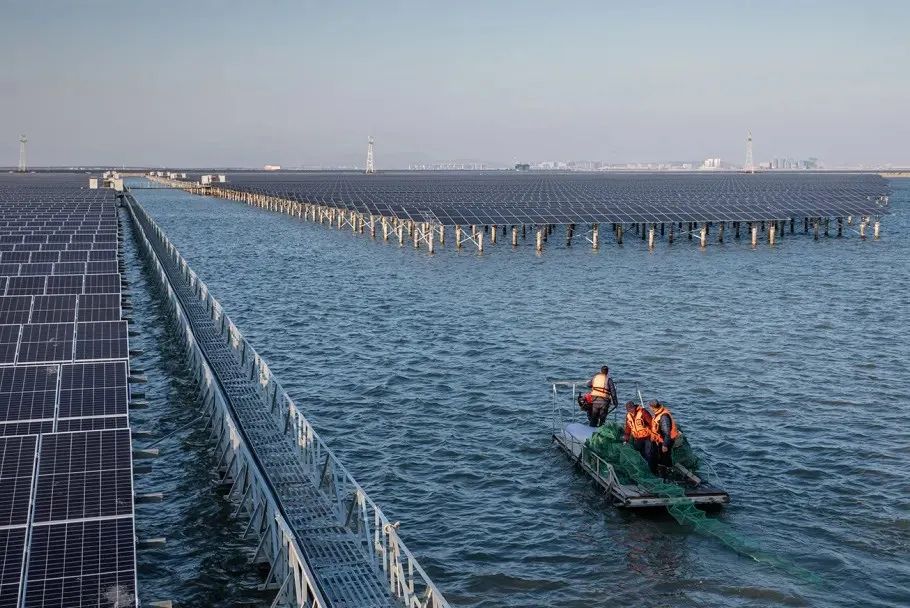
x=237 y=84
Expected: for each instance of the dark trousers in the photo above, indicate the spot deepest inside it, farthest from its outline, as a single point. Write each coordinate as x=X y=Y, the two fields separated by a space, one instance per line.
x=663 y=459
x=646 y=448
x=597 y=415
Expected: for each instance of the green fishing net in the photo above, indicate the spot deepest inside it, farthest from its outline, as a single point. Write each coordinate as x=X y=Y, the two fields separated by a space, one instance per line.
x=631 y=468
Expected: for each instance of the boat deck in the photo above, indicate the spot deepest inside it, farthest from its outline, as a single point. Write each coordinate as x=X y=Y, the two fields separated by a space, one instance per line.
x=571 y=439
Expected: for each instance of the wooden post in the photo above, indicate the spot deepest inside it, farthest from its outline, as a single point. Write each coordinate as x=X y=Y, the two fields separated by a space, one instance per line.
x=569 y=230
x=827 y=220
x=430 y=238
x=736 y=227
x=514 y=236
x=651 y=237
x=840 y=226
x=754 y=235
x=815 y=224
x=523 y=232
x=442 y=234
x=691 y=230
x=619 y=234
x=862 y=229
x=539 y=245
x=703 y=235
x=493 y=232
x=595 y=237
x=401 y=234
x=480 y=242
x=661 y=229
x=771 y=230
x=805 y=225
x=720 y=233
x=849 y=220
x=875 y=229
x=792 y=225
x=642 y=231
x=416 y=234
x=457 y=237
x=670 y=234
x=385 y=229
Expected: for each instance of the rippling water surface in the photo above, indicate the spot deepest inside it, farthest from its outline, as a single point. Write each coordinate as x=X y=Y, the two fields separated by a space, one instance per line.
x=428 y=375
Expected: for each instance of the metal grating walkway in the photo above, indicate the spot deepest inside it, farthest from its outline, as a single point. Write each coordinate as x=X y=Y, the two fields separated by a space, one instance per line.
x=336 y=554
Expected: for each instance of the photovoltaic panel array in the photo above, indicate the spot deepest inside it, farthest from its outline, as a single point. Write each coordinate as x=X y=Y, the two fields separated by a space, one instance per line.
x=508 y=198
x=66 y=492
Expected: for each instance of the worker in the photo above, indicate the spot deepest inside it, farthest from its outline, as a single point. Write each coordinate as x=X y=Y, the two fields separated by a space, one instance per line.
x=603 y=394
x=664 y=433
x=638 y=430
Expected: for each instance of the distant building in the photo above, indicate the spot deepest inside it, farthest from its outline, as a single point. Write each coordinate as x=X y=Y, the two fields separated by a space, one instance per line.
x=522 y=167
x=711 y=164
x=271 y=168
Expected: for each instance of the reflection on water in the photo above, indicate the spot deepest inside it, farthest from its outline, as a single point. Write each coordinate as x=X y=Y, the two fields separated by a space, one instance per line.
x=428 y=376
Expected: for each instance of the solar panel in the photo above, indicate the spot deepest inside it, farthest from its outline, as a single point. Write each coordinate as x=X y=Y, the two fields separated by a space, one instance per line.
x=101 y=283
x=46 y=342
x=9 y=340
x=99 y=307
x=105 y=267
x=33 y=285
x=12 y=556
x=54 y=309
x=93 y=389
x=62 y=284
x=17 y=464
x=98 y=423
x=86 y=563
x=84 y=474
x=100 y=340
x=28 y=392
x=31 y=427
x=15 y=309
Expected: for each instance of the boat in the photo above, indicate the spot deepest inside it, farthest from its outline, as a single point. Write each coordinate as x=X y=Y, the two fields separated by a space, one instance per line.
x=573 y=438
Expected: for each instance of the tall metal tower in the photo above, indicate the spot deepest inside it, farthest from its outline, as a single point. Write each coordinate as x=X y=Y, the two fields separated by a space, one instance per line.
x=749 y=166
x=370 y=167
x=23 y=164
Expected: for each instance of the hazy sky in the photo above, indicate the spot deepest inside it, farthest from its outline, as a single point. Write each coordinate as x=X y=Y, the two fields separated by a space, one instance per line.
x=200 y=83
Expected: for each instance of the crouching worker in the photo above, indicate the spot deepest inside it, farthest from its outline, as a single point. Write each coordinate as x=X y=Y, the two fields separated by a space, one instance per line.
x=664 y=433
x=638 y=431
x=596 y=415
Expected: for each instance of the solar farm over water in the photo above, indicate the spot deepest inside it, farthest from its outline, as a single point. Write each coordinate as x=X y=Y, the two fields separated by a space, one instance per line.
x=65 y=448
x=436 y=398
x=506 y=198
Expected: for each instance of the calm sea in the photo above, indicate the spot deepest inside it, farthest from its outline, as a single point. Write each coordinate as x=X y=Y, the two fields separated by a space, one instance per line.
x=428 y=375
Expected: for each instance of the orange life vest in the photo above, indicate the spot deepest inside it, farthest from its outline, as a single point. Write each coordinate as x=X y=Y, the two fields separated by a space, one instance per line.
x=655 y=425
x=599 y=386
x=637 y=426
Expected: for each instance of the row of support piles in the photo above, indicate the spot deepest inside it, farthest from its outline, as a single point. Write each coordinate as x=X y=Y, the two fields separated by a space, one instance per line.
x=431 y=234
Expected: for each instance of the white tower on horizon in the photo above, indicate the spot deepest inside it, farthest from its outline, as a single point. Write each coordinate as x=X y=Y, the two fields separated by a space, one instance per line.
x=370 y=168
x=23 y=164
x=749 y=166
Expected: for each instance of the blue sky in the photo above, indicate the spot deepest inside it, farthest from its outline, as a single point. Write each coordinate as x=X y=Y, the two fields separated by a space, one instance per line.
x=299 y=83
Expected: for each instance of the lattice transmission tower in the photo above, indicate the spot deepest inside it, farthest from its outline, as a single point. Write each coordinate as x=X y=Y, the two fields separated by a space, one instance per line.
x=23 y=161
x=370 y=167
x=750 y=166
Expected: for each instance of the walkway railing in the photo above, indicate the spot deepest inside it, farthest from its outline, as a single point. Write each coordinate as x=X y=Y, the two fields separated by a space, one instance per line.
x=352 y=509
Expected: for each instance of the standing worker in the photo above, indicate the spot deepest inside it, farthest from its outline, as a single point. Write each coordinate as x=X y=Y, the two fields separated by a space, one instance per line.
x=603 y=395
x=663 y=433
x=638 y=430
